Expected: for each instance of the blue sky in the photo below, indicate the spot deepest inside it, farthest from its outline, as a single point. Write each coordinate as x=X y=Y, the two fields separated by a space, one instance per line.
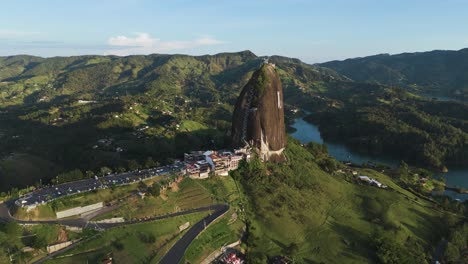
x=313 y=30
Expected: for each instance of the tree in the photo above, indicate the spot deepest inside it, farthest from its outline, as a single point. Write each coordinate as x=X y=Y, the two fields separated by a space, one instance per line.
x=458 y=240
x=119 y=246
x=69 y=176
x=133 y=165
x=404 y=171
x=439 y=187
x=120 y=169
x=89 y=174
x=328 y=164
x=39 y=242
x=142 y=186
x=13 y=232
x=292 y=249
x=149 y=163
x=452 y=253
x=155 y=189
x=104 y=171
x=12 y=229
x=317 y=150
x=3 y=257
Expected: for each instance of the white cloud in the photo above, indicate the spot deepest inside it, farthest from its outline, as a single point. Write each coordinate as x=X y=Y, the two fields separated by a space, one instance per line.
x=143 y=43
x=141 y=40
x=10 y=33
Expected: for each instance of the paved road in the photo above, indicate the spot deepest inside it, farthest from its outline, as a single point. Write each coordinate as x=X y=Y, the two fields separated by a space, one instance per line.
x=50 y=193
x=84 y=222
x=217 y=208
x=176 y=253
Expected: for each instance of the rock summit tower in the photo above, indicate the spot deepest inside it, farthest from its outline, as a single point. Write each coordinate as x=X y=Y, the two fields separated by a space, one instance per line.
x=258 y=118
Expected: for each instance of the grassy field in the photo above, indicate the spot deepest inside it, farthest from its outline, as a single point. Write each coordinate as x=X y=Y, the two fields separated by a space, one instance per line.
x=126 y=244
x=43 y=212
x=223 y=189
x=38 y=237
x=331 y=220
x=188 y=194
x=189 y=125
x=224 y=231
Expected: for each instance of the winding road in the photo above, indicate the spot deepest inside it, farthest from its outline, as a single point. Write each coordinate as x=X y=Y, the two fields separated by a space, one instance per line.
x=174 y=255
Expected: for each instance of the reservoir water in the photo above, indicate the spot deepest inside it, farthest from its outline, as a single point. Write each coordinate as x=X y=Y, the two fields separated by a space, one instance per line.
x=307 y=132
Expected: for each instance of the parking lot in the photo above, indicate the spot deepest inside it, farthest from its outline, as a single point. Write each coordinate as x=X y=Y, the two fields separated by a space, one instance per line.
x=49 y=193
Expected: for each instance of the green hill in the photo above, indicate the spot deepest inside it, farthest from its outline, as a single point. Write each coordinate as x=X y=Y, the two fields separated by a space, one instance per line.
x=436 y=72
x=60 y=109
x=150 y=106
x=297 y=209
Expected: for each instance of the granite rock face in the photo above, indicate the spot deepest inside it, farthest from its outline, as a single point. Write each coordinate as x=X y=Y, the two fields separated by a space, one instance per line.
x=258 y=118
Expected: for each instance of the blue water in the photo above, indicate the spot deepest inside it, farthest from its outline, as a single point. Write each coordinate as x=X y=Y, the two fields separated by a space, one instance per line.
x=442 y=98
x=307 y=132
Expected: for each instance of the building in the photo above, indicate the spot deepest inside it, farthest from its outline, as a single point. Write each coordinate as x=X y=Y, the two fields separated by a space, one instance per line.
x=372 y=181
x=199 y=164
x=365 y=179
x=194 y=156
x=204 y=169
x=232 y=258
x=234 y=161
x=192 y=170
x=220 y=164
x=244 y=152
x=198 y=170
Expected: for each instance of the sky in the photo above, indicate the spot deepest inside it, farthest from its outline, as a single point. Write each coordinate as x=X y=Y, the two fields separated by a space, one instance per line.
x=311 y=30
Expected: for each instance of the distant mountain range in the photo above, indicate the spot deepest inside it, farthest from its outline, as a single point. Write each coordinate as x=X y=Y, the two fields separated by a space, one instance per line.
x=162 y=105
x=208 y=78
x=58 y=109
x=435 y=72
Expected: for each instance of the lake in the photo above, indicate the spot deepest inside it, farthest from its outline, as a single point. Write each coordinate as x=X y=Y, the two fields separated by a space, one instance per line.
x=307 y=132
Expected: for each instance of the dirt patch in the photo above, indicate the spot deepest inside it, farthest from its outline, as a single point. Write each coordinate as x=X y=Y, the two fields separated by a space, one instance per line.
x=62 y=236
x=180 y=179
x=164 y=196
x=174 y=187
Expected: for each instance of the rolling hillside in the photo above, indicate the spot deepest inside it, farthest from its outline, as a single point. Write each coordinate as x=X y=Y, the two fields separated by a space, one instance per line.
x=75 y=112
x=436 y=72
x=297 y=209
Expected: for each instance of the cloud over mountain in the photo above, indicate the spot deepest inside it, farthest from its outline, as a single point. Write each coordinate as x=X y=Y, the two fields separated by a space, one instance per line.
x=144 y=43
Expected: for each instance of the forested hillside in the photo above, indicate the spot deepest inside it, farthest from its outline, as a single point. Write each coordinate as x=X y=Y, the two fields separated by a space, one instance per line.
x=386 y=121
x=92 y=112
x=436 y=72
x=95 y=113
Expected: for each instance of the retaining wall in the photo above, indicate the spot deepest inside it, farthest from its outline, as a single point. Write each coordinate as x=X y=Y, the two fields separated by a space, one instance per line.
x=79 y=210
